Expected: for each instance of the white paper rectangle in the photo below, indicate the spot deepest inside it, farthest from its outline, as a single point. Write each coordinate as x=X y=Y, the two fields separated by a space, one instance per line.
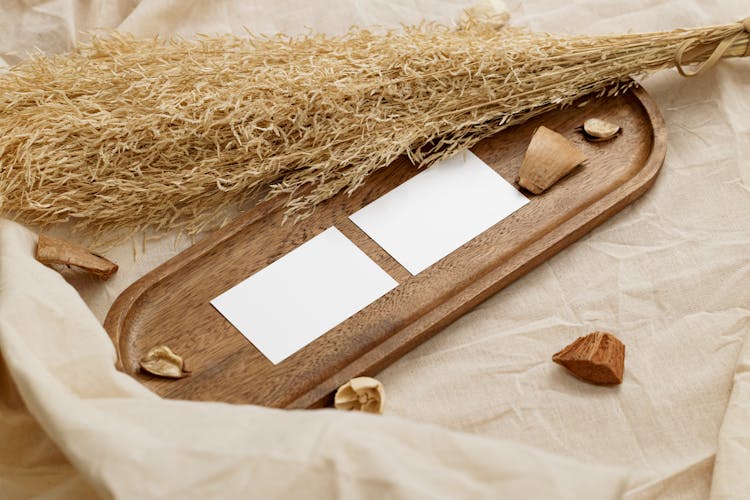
x=435 y=212
x=302 y=295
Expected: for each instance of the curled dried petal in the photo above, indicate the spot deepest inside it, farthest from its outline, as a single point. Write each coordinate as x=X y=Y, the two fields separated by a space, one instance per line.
x=597 y=130
x=52 y=251
x=549 y=158
x=163 y=362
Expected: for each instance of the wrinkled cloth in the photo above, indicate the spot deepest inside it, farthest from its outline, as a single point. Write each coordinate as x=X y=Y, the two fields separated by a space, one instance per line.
x=125 y=442
x=669 y=275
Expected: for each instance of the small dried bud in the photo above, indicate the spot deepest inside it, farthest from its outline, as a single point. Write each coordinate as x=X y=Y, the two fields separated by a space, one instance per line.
x=361 y=394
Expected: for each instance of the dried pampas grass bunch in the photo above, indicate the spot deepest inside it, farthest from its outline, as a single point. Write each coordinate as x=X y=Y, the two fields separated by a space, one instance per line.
x=126 y=134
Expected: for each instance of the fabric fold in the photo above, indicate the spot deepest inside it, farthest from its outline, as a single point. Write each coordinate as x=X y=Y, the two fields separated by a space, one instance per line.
x=127 y=443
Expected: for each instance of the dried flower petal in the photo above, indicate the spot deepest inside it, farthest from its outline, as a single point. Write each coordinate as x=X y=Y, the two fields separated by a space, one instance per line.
x=549 y=158
x=163 y=362
x=361 y=394
x=51 y=251
x=597 y=130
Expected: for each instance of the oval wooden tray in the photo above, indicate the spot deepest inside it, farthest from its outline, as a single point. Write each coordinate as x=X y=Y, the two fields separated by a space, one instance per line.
x=170 y=305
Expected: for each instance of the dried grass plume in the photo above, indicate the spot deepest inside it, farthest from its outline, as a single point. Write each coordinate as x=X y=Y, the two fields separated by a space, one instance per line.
x=125 y=134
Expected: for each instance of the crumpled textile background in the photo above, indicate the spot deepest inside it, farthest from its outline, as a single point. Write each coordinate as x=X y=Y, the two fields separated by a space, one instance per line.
x=125 y=442
x=669 y=275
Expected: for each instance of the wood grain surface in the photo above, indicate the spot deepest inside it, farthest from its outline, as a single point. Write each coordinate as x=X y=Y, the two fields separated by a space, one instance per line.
x=170 y=305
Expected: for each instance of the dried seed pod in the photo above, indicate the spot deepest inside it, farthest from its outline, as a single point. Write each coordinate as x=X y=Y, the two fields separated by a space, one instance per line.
x=163 y=362
x=549 y=157
x=598 y=358
x=50 y=251
x=597 y=130
x=361 y=394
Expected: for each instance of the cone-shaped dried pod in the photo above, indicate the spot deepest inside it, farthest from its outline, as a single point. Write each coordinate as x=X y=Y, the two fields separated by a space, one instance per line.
x=598 y=358
x=361 y=394
x=548 y=159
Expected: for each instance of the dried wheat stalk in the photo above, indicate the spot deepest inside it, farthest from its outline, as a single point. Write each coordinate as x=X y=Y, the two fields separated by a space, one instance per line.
x=126 y=134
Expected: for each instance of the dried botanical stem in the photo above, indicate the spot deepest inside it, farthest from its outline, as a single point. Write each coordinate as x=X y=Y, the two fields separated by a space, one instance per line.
x=126 y=134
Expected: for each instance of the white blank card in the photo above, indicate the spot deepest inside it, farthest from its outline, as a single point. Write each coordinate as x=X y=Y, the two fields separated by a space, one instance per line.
x=435 y=212
x=302 y=295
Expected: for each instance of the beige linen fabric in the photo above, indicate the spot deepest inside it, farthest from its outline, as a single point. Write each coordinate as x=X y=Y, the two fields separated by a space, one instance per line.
x=669 y=275
x=125 y=442
x=732 y=471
